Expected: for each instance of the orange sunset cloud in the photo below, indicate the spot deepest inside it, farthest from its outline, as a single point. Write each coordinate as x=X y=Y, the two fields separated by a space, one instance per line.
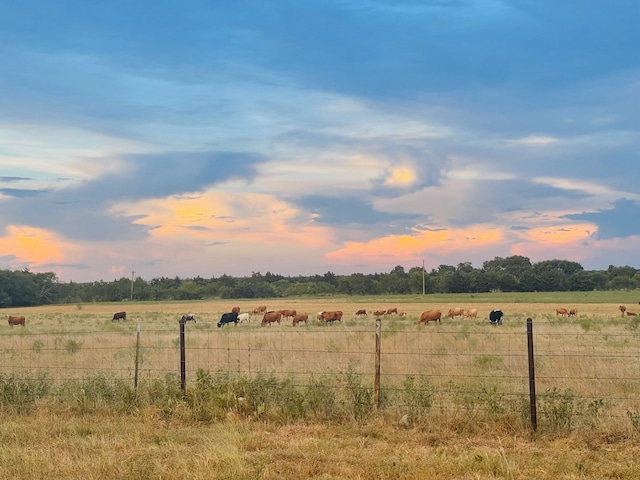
x=413 y=247
x=241 y=217
x=32 y=245
x=565 y=240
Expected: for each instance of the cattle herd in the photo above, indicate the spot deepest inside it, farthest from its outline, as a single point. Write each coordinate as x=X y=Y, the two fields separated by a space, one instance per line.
x=270 y=317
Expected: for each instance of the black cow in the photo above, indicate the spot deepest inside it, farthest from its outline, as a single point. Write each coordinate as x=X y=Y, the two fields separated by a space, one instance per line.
x=228 y=318
x=495 y=317
x=119 y=316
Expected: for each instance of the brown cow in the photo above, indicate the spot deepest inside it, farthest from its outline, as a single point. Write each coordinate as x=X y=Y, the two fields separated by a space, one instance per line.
x=260 y=309
x=379 y=313
x=622 y=309
x=15 y=320
x=320 y=316
x=455 y=312
x=471 y=313
x=119 y=316
x=631 y=314
x=331 y=317
x=430 y=316
x=402 y=314
x=561 y=311
x=361 y=312
x=392 y=311
x=300 y=317
x=235 y=310
x=270 y=317
x=287 y=313
x=573 y=312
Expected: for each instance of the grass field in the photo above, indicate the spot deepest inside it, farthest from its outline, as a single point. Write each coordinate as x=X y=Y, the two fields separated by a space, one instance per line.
x=454 y=396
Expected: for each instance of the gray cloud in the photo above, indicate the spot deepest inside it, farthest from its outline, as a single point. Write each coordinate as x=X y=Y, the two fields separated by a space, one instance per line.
x=80 y=211
x=21 y=192
x=13 y=179
x=347 y=210
x=618 y=222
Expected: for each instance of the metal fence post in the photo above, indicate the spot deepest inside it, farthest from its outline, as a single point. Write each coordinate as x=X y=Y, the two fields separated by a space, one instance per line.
x=183 y=362
x=532 y=377
x=135 y=375
x=376 y=383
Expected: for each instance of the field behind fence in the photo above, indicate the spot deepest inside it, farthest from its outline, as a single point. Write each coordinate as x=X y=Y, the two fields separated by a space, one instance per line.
x=588 y=364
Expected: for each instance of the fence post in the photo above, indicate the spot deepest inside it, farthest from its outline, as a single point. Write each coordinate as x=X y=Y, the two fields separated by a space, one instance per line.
x=532 y=377
x=183 y=362
x=376 y=383
x=135 y=375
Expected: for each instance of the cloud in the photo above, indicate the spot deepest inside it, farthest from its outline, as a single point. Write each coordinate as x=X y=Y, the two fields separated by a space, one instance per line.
x=346 y=210
x=13 y=179
x=621 y=221
x=432 y=245
x=20 y=192
x=85 y=210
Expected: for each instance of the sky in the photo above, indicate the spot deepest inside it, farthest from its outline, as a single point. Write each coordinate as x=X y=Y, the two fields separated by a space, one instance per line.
x=201 y=137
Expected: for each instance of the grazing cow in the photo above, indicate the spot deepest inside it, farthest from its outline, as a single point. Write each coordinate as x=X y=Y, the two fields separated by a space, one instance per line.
x=402 y=314
x=189 y=317
x=119 y=316
x=300 y=317
x=631 y=314
x=270 y=317
x=361 y=313
x=244 y=318
x=573 y=312
x=228 y=318
x=15 y=320
x=495 y=317
x=455 y=312
x=260 y=309
x=288 y=313
x=430 y=316
x=331 y=317
x=235 y=309
x=320 y=316
x=561 y=311
x=471 y=313
x=392 y=311
x=379 y=313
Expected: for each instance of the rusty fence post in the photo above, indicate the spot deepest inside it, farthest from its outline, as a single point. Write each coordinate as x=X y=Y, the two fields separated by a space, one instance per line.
x=376 y=383
x=183 y=361
x=135 y=375
x=532 y=377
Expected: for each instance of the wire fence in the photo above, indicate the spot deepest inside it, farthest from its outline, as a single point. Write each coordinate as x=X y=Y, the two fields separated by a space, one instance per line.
x=597 y=368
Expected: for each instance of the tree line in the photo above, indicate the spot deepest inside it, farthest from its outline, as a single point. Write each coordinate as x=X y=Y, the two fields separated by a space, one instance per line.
x=511 y=274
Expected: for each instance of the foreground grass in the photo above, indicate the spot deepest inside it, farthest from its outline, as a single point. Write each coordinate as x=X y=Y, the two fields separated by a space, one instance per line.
x=58 y=444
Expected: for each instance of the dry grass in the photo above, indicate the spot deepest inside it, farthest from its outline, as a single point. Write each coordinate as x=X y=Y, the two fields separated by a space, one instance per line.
x=55 y=445
x=467 y=362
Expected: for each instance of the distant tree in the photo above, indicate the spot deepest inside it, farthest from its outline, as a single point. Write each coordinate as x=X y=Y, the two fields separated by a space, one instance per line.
x=515 y=265
x=331 y=278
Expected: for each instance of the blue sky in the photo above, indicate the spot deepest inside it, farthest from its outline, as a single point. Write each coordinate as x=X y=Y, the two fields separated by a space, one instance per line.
x=201 y=137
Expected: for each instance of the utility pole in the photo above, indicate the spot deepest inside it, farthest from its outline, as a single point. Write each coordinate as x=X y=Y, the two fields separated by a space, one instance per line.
x=132 y=274
x=423 y=277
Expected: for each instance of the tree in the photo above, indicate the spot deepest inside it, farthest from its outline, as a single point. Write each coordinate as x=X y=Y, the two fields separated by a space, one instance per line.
x=515 y=265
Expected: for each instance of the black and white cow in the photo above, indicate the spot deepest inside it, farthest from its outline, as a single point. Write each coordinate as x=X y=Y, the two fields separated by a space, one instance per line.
x=495 y=317
x=228 y=318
